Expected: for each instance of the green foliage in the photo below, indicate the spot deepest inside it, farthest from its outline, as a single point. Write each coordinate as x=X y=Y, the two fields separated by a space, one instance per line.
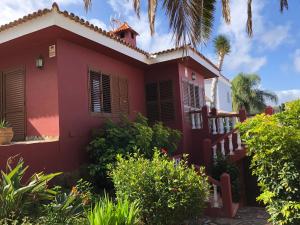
x=21 y=198
x=247 y=95
x=128 y=137
x=273 y=143
x=167 y=194
x=223 y=165
x=106 y=212
x=68 y=208
x=4 y=124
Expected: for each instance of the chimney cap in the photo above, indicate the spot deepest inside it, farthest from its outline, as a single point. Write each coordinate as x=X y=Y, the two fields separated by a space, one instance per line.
x=124 y=27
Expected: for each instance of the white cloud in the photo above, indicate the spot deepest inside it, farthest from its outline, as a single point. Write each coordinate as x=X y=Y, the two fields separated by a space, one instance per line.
x=273 y=38
x=297 y=60
x=287 y=95
x=159 y=41
x=99 y=23
x=15 y=9
x=240 y=58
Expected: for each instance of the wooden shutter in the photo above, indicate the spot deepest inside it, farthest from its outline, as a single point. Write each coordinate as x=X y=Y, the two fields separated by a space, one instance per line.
x=192 y=95
x=106 y=93
x=152 y=97
x=124 y=102
x=95 y=92
x=197 y=97
x=115 y=95
x=14 y=101
x=167 y=112
x=185 y=87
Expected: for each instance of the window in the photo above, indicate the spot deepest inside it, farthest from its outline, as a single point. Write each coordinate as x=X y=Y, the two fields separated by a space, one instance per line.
x=160 y=102
x=228 y=97
x=193 y=96
x=132 y=35
x=100 y=93
x=122 y=34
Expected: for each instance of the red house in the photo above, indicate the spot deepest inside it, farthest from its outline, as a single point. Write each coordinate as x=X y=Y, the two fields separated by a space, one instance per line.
x=61 y=77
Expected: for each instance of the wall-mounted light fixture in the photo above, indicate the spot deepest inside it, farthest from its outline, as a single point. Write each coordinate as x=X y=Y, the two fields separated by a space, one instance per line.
x=193 y=76
x=39 y=62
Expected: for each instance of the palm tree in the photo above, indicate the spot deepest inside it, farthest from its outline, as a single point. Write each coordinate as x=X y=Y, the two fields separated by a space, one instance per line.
x=191 y=20
x=222 y=48
x=247 y=95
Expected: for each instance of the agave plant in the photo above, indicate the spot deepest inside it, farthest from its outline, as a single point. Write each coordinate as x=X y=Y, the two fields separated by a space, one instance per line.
x=4 y=124
x=20 y=197
x=106 y=212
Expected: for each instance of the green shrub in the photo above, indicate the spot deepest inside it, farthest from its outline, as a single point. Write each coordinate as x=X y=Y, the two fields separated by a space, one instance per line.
x=167 y=194
x=223 y=165
x=106 y=212
x=68 y=208
x=128 y=137
x=274 y=146
x=22 y=198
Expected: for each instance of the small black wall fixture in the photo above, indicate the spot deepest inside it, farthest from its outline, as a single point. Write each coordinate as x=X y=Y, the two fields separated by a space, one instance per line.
x=39 y=62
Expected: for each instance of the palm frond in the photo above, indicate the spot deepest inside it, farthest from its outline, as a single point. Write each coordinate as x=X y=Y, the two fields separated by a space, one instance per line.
x=226 y=11
x=137 y=7
x=190 y=20
x=152 y=6
x=284 y=5
x=249 y=19
x=87 y=4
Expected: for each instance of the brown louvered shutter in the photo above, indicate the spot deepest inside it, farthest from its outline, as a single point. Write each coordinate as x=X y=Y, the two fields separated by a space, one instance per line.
x=95 y=92
x=106 y=94
x=152 y=97
x=14 y=101
x=197 y=97
x=115 y=95
x=166 y=101
x=123 y=90
x=192 y=95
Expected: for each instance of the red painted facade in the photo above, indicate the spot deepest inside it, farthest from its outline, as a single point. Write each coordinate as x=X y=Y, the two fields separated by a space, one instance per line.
x=57 y=96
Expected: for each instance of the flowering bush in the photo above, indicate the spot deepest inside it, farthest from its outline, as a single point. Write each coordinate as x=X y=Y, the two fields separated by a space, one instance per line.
x=167 y=194
x=273 y=144
x=128 y=137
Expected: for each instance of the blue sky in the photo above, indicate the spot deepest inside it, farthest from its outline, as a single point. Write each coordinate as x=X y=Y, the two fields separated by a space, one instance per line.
x=273 y=52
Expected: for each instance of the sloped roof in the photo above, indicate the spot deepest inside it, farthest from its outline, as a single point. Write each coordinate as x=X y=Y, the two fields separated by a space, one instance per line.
x=71 y=16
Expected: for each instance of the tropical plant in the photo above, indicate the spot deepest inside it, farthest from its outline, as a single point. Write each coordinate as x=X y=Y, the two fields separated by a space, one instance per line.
x=191 y=21
x=273 y=143
x=167 y=192
x=68 y=208
x=106 y=212
x=247 y=95
x=4 y=124
x=127 y=137
x=20 y=198
x=222 y=48
x=223 y=165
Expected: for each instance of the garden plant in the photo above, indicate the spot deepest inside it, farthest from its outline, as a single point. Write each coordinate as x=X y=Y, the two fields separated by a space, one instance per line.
x=273 y=144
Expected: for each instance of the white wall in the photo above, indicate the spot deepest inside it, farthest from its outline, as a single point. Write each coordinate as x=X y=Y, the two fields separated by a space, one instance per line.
x=224 y=99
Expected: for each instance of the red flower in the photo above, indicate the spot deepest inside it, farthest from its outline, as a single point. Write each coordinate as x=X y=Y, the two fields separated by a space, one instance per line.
x=164 y=150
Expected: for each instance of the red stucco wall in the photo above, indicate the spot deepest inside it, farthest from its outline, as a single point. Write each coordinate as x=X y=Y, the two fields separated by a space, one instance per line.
x=191 y=142
x=40 y=85
x=76 y=122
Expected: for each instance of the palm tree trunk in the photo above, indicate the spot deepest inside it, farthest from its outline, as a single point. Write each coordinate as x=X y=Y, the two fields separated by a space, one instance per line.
x=214 y=92
x=221 y=61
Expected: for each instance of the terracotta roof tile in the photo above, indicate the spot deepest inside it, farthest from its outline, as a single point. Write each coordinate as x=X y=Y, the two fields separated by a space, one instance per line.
x=111 y=35
x=193 y=49
x=124 y=27
x=71 y=16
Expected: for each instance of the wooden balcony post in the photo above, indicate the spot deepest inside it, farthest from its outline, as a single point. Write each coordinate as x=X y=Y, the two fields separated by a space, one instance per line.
x=269 y=110
x=207 y=154
x=205 y=119
x=227 y=195
x=242 y=115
